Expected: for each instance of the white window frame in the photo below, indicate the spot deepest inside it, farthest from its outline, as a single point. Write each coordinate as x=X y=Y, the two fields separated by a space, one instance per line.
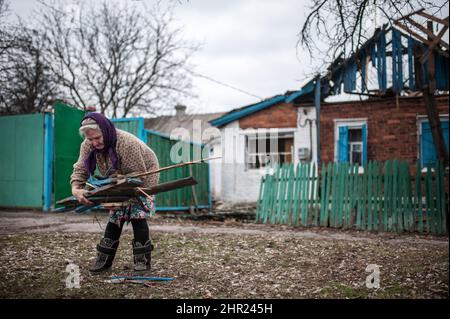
x=350 y=144
x=353 y=123
x=252 y=133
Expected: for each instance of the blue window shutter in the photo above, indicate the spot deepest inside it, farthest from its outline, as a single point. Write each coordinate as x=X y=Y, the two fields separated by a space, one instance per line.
x=429 y=154
x=343 y=144
x=364 y=141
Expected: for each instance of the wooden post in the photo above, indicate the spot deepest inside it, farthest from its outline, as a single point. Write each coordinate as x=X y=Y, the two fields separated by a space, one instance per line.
x=194 y=194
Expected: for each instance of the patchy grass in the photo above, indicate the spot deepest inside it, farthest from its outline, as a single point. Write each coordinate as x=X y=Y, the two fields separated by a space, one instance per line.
x=226 y=266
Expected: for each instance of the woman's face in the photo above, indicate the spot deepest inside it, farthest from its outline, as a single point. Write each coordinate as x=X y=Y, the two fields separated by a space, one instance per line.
x=96 y=138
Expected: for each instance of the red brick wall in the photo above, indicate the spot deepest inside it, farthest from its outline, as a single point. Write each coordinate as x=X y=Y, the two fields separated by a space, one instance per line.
x=278 y=115
x=391 y=129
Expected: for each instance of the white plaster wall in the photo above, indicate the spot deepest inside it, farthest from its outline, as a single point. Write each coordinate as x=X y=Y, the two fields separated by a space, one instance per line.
x=302 y=135
x=232 y=182
x=216 y=169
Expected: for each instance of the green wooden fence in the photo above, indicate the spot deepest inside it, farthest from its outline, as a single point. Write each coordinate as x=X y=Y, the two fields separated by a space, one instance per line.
x=382 y=198
x=187 y=197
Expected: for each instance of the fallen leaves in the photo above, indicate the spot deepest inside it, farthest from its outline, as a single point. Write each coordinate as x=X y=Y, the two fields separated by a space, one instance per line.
x=227 y=265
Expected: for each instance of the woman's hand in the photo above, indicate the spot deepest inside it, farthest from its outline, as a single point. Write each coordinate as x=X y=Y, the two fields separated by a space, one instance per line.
x=79 y=195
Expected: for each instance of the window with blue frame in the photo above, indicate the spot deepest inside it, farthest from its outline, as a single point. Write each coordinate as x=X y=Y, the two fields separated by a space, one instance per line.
x=352 y=144
x=428 y=154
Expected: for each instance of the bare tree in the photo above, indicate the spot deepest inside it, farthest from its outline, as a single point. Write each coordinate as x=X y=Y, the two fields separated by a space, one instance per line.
x=26 y=85
x=341 y=26
x=116 y=57
x=5 y=30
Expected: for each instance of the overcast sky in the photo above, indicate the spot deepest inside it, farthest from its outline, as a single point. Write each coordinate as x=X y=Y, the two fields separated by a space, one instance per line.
x=247 y=44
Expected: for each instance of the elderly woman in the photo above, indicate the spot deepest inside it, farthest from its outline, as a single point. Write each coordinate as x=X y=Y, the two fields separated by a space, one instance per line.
x=113 y=151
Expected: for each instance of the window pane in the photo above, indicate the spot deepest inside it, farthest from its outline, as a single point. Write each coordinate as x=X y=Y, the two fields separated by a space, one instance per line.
x=260 y=153
x=355 y=152
x=355 y=135
x=356 y=158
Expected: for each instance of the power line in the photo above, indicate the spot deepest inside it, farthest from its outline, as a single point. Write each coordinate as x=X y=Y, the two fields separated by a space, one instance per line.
x=224 y=84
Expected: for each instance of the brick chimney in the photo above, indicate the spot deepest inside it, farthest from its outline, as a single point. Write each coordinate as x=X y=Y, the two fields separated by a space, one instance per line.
x=180 y=110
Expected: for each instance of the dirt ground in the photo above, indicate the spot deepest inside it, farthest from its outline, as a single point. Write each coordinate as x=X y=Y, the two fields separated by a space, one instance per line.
x=219 y=259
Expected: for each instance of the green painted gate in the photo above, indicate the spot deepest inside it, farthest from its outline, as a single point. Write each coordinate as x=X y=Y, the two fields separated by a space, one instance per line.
x=67 y=143
x=22 y=160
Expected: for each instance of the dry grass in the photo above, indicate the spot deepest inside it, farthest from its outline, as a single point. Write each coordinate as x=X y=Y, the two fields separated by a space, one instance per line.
x=226 y=266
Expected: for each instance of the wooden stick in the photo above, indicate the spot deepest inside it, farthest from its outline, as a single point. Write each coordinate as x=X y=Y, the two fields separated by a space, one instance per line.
x=90 y=185
x=147 y=195
x=168 y=186
x=112 y=205
x=171 y=167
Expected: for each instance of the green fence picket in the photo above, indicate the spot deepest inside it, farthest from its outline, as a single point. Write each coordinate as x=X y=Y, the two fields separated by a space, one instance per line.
x=296 y=194
x=323 y=195
x=438 y=199
x=327 y=221
x=369 y=196
x=443 y=199
x=418 y=198
x=428 y=199
x=305 y=182
x=314 y=190
x=409 y=225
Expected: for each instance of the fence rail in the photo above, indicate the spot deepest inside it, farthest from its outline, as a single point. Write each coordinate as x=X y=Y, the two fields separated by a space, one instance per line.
x=378 y=197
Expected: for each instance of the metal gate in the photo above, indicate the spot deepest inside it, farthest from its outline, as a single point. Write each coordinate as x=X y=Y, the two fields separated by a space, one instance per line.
x=67 y=146
x=22 y=160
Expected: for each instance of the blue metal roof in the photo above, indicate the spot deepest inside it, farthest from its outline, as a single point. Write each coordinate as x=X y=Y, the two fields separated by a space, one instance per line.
x=245 y=111
x=307 y=88
x=240 y=113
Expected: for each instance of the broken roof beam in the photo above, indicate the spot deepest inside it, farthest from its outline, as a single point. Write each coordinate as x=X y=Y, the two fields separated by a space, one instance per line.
x=433 y=44
x=415 y=34
x=437 y=38
x=411 y=14
x=429 y=16
x=422 y=13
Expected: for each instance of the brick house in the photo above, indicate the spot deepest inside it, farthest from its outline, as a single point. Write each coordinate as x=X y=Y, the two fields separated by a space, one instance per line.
x=380 y=129
x=389 y=121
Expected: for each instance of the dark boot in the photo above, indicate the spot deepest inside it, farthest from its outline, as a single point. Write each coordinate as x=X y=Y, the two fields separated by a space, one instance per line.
x=142 y=255
x=106 y=251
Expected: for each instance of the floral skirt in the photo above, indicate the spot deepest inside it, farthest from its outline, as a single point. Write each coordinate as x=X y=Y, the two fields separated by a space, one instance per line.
x=138 y=209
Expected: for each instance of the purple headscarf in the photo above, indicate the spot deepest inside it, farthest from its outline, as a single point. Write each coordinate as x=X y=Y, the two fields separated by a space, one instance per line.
x=109 y=140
